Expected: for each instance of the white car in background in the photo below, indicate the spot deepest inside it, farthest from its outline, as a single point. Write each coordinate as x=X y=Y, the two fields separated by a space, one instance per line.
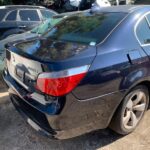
x=103 y=3
x=79 y=3
x=100 y=3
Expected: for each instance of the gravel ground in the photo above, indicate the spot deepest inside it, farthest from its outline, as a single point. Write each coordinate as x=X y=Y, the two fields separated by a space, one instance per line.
x=15 y=134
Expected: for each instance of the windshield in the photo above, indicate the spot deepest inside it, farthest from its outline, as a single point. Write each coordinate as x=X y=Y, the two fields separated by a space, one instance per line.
x=44 y=27
x=85 y=28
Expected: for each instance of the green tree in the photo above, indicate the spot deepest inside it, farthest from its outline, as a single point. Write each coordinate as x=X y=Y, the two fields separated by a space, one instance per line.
x=5 y=2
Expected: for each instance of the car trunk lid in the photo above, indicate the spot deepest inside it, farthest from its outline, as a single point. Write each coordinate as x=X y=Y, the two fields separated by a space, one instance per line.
x=23 y=70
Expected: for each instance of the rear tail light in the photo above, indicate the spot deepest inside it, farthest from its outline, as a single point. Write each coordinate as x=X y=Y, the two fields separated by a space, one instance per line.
x=61 y=82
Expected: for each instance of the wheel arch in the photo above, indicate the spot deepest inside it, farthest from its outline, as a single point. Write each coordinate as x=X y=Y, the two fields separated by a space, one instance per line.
x=145 y=82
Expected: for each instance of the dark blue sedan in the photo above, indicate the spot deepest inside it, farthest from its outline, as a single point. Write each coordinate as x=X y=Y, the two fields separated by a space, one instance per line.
x=90 y=71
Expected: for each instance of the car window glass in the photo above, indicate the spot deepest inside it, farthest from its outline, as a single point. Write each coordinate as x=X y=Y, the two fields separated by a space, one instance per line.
x=47 y=14
x=143 y=32
x=44 y=27
x=148 y=18
x=12 y=16
x=29 y=15
x=85 y=27
x=2 y=13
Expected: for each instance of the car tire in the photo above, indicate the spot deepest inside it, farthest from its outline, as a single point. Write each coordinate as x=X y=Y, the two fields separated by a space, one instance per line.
x=130 y=111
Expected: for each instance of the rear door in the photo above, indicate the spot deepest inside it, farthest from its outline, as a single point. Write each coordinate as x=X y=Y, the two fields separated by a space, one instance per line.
x=28 y=18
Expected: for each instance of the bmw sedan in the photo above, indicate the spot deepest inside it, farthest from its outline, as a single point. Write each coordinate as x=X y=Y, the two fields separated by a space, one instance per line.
x=90 y=71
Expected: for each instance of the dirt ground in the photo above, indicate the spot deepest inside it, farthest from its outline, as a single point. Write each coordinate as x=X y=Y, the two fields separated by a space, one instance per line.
x=15 y=134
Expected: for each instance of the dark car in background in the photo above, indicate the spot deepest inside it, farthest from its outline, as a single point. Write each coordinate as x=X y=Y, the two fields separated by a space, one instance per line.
x=18 y=19
x=144 y=2
x=90 y=71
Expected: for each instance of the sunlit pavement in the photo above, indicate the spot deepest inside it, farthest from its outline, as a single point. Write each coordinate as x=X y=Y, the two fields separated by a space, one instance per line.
x=15 y=134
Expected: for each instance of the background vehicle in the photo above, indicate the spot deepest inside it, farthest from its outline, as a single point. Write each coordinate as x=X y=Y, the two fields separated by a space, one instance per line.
x=98 y=4
x=83 y=4
x=121 y=2
x=74 y=5
x=88 y=72
x=18 y=19
x=103 y=3
x=144 y=2
x=62 y=6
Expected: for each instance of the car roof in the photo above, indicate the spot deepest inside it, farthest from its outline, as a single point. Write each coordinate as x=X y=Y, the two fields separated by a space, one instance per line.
x=123 y=8
x=21 y=6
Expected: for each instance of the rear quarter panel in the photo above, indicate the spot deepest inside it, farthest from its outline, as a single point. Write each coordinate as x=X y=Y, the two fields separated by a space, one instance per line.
x=119 y=65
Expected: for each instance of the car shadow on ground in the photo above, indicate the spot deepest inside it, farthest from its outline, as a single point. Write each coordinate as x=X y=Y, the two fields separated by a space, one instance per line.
x=14 y=125
x=92 y=141
x=95 y=140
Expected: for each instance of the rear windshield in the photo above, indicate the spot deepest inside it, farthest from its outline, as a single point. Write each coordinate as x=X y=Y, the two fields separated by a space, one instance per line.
x=44 y=27
x=85 y=28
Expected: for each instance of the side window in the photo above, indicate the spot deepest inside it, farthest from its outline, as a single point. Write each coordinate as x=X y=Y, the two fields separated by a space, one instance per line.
x=148 y=18
x=143 y=32
x=12 y=16
x=47 y=14
x=29 y=15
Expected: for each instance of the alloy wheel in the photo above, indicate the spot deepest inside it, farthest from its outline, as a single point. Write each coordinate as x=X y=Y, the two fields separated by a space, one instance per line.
x=134 y=109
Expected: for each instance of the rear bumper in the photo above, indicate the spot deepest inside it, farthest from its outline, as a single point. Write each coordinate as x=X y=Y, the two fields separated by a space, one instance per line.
x=33 y=117
x=67 y=118
x=33 y=112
